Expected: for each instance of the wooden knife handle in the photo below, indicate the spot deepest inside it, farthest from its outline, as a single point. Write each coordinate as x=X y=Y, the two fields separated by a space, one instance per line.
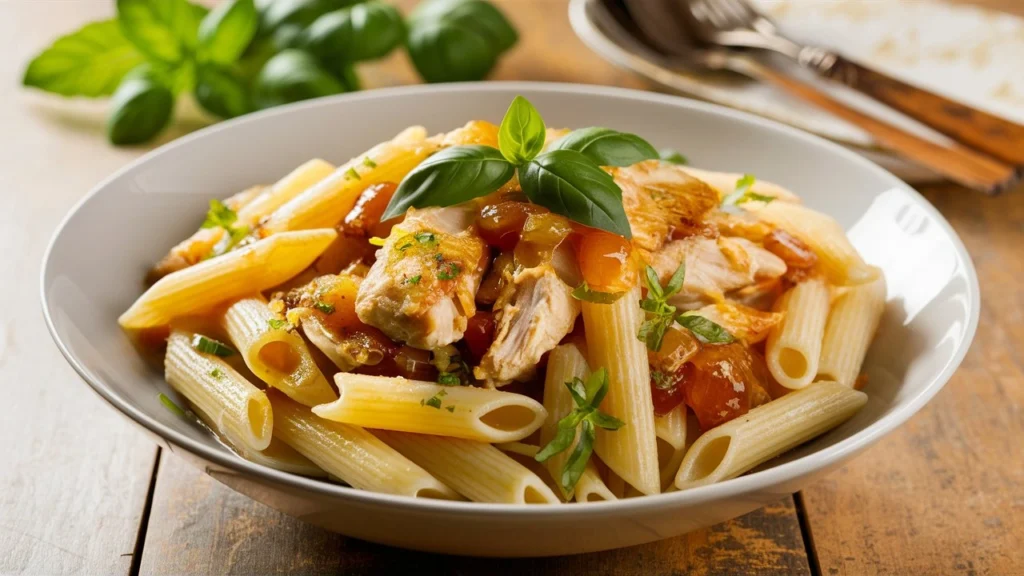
x=982 y=131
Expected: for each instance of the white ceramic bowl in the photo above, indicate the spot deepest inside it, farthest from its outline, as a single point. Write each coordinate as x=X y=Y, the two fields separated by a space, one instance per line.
x=95 y=264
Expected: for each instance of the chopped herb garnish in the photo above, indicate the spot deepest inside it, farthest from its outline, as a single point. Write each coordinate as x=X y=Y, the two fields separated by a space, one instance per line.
x=742 y=193
x=705 y=330
x=449 y=271
x=426 y=238
x=586 y=294
x=351 y=174
x=449 y=379
x=220 y=216
x=587 y=397
x=324 y=307
x=376 y=241
x=660 y=314
x=450 y=409
x=278 y=324
x=405 y=246
x=369 y=163
x=414 y=279
x=210 y=346
x=435 y=400
x=170 y=405
x=216 y=373
x=673 y=156
x=661 y=380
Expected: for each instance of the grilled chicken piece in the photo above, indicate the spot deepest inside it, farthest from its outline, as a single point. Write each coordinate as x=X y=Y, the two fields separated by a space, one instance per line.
x=420 y=290
x=536 y=312
x=714 y=267
x=660 y=200
x=325 y=309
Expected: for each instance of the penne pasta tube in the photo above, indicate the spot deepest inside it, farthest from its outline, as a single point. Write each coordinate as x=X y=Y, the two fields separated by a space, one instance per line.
x=631 y=451
x=258 y=266
x=767 y=431
x=525 y=455
x=565 y=362
x=405 y=405
x=671 y=430
x=325 y=204
x=590 y=487
x=284 y=190
x=352 y=454
x=275 y=355
x=850 y=328
x=221 y=397
x=794 y=344
x=283 y=457
x=476 y=470
x=837 y=257
x=725 y=182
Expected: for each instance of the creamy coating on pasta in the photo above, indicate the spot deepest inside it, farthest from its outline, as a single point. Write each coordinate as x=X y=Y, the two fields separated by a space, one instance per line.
x=632 y=323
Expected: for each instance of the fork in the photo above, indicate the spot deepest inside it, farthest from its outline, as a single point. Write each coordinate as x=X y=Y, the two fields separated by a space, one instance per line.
x=736 y=24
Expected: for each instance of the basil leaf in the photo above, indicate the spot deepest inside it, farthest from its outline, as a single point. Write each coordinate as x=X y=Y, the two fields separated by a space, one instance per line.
x=277 y=13
x=452 y=176
x=585 y=294
x=140 y=108
x=705 y=330
x=457 y=40
x=568 y=183
x=522 y=132
x=673 y=156
x=227 y=30
x=363 y=32
x=602 y=420
x=166 y=31
x=607 y=147
x=221 y=91
x=561 y=442
x=578 y=392
x=291 y=76
x=578 y=459
x=743 y=186
x=675 y=283
x=653 y=283
x=346 y=73
x=89 y=62
x=597 y=387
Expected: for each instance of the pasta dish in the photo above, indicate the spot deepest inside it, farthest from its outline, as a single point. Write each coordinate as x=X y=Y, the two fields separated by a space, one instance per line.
x=513 y=314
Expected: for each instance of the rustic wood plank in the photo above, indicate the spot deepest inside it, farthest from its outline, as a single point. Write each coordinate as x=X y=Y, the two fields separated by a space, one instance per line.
x=199 y=526
x=74 y=475
x=945 y=493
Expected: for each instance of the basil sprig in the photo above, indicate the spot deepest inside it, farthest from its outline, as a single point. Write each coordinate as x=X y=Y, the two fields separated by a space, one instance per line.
x=567 y=180
x=743 y=193
x=661 y=314
x=587 y=396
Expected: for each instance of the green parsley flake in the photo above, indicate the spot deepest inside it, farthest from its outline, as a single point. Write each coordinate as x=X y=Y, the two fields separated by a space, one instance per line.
x=435 y=400
x=170 y=405
x=449 y=271
x=216 y=373
x=369 y=163
x=414 y=280
x=324 y=307
x=351 y=174
x=210 y=346
x=278 y=324
x=449 y=379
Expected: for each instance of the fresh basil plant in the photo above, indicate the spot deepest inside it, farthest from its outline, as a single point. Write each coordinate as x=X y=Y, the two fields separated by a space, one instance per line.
x=457 y=40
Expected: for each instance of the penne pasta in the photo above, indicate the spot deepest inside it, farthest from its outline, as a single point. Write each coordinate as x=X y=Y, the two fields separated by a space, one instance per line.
x=767 y=431
x=476 y=470
x=221 y=397
x=284 y=190
x=525 y=454
x=283 y=457
x=794 y=344
x=325 y=204
x=837 y=257
x=590 y=487
x=725 y=182
x=258 y=266
x=565 y=362
x=671 y=430
x=468 y=412
x=275 y=355
x=850 y=328
x=631 y=451
x=352 y=454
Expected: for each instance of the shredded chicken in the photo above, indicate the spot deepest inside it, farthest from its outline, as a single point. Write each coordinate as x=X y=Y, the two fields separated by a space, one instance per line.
x=421 y=288
x=660 y=200
x=746 y=324
x=714 y=267
x=533 y=317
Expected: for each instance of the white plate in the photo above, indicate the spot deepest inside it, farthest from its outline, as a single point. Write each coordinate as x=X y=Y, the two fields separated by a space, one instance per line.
x=963 y=52
x=95 y=263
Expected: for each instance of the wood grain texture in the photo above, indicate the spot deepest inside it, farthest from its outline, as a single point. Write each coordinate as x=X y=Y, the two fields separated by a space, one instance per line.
x=74 y=475
x=199 y=526
x=944 y=494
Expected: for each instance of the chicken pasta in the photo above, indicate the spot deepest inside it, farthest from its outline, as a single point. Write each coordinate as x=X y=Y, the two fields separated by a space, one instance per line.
x=513 y=314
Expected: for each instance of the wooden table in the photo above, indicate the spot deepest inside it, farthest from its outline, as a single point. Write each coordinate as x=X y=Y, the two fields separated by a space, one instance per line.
x=81 y=491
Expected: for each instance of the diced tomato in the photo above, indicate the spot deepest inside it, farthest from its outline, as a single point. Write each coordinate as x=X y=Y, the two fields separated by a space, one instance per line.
x=605 y=260
x=666 y=390
x=501 y=224
x=720 y=383
x=479 y=334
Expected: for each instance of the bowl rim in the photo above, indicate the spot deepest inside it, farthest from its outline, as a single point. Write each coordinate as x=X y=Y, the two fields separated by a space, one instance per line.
x=776 y=475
